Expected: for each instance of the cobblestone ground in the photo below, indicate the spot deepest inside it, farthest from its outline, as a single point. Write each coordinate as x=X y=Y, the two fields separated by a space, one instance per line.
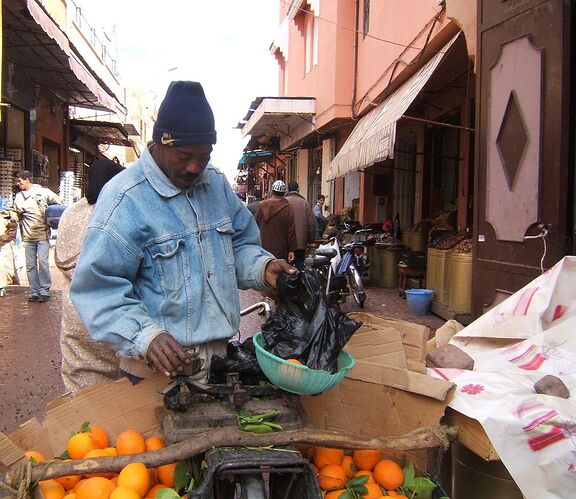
x=30 y=352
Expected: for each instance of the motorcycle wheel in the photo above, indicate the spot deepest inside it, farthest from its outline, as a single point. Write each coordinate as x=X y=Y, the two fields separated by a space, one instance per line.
x=356 y=286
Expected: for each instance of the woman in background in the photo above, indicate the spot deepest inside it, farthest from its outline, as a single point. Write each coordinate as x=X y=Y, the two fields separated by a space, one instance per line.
x=84 y=361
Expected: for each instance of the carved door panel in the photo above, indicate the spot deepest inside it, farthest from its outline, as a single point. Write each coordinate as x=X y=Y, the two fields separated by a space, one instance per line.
x=522 y=167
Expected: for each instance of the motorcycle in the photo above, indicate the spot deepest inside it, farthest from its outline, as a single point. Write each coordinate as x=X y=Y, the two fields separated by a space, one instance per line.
x=342 y=268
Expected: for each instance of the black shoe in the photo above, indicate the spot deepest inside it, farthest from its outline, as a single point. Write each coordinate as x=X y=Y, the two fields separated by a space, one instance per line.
x=43 y=298
x=33 y=298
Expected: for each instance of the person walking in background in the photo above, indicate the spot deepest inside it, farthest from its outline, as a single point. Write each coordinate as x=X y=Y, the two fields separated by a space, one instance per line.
x=29 y=207
x=253 y=206
x=304 y=222
x=7 y=236
x=275 y=219
x=84 y=361
x=320 y=219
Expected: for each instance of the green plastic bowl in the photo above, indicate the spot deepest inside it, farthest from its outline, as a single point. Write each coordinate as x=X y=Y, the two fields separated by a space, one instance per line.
x=296 y=378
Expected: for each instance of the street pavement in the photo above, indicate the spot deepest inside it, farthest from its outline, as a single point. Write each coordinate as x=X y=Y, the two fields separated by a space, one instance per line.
x=30 y=350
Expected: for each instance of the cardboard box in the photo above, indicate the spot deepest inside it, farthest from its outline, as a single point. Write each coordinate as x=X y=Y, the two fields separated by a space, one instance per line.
x=116 y=407
x=381 y=396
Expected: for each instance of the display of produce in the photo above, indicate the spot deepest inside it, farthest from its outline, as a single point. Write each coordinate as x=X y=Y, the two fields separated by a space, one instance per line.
x=463 y=247
x=366 y=473
x=451 y=240
x=389 y=241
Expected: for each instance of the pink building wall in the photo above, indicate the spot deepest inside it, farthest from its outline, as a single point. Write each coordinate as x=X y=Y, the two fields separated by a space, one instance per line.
x=331 y=80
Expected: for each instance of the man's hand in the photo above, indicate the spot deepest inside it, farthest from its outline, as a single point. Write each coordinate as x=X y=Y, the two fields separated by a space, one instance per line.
x=166 y=355
x=276 y=267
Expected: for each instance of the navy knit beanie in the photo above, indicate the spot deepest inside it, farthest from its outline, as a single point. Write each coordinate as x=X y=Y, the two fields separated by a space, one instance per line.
x=184 y=116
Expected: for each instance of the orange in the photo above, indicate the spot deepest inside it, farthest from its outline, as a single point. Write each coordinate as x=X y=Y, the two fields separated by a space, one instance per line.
x=365 y=472
x=155 y=443
x=75 y=488
x=388 y=474
x=80 y=444
x=332 y=476
x=70 y=495
x=111 y=451
x=374 y=491
x=94 y=488
x=33 y=455
x=97 y=453
x=366 y=459
x=130 y=442
x=100 y=436
x=135 y=476
x=335 y=494
x=294 y=361
x=69 y=481
x=151 y=494
x=391 y=493
x=327 y=455
x=348 y=466
x=165 y=474
x=51 y=489
x=124 y=493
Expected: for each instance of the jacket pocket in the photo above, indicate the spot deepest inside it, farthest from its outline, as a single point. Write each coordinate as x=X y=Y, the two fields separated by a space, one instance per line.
x=169 y=261
x=225 y=232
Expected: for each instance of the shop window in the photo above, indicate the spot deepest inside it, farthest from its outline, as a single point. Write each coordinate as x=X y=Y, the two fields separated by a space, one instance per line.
x=314 y=175
x=366 y=19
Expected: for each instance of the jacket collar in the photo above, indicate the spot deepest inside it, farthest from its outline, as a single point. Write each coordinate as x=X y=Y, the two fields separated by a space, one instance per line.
x=160 y=182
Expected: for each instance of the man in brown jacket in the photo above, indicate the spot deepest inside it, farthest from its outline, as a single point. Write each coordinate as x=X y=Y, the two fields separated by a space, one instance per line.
x=304 y=220
x=276 y=222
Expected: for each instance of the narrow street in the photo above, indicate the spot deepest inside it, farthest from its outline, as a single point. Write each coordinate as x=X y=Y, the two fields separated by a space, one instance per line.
x=30 y=351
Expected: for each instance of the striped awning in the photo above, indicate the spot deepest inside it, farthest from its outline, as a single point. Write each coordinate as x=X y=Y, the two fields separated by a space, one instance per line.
x=373 y=138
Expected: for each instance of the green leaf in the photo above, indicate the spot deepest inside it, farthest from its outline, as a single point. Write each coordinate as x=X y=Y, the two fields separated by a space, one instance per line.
x=182 y=475
x=359 y=489
x=423 y=488
x=64 y=455
x=348 y=495
x=361 y=480
x=408 y=476
x=167 y=494
x=85 y=428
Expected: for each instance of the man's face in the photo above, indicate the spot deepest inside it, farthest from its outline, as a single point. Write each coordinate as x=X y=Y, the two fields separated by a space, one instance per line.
x=182 y=164
x=23 y=183
x=321 y=201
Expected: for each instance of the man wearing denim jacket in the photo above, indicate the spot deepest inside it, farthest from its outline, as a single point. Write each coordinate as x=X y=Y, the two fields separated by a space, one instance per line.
x=168 y=246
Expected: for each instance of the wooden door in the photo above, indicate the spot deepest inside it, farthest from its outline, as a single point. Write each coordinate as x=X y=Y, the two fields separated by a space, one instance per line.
x=522 y=148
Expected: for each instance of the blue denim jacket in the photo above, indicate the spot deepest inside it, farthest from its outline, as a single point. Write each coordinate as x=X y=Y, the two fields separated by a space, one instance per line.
x=158 y=258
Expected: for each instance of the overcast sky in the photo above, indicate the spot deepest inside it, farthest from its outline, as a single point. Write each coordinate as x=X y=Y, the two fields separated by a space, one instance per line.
x=221 y=43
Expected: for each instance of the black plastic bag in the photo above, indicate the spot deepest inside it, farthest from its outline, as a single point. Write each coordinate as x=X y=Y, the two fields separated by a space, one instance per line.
x=304 y=326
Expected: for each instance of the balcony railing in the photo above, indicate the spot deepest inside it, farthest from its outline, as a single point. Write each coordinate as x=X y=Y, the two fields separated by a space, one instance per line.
x=69 y=11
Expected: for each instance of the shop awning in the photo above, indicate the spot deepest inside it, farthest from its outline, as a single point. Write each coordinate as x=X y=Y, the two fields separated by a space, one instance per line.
x=34 y=43
x=277 y=115
x=255 y=156
x=105 y=132
x=373 y=138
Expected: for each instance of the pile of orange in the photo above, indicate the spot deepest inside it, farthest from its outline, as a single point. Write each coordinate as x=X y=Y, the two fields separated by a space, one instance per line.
x=337 y=469
x=135 y=481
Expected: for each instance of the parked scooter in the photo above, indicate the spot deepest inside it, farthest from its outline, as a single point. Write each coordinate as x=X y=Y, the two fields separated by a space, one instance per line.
x=338 y=265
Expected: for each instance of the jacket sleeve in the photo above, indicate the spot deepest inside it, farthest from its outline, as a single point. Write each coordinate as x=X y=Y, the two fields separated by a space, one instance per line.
x=292 y=242
x=311 y=224
x=116 y=315
x=52 y=197
x=249 y=256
